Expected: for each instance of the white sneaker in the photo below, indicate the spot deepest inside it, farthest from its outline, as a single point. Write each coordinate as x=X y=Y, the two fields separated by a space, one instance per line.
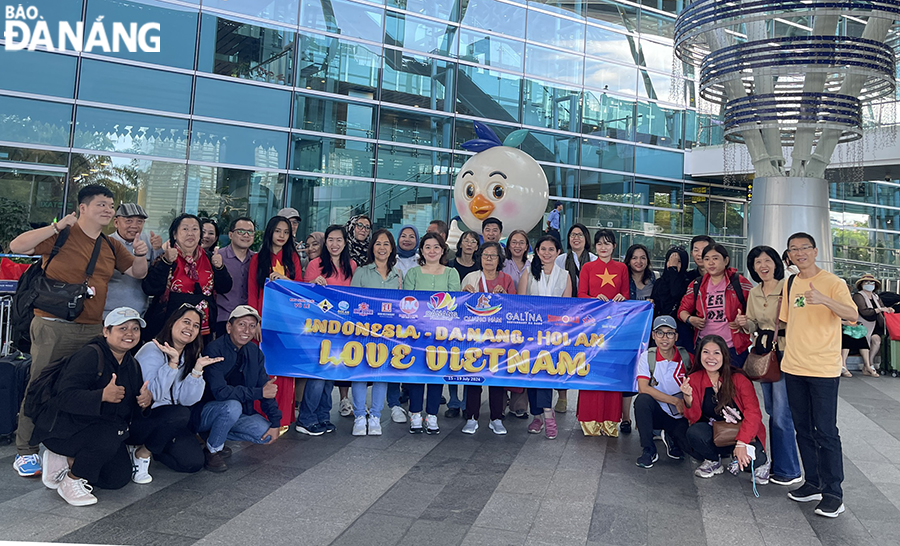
x=55 y=468
x=140 y=467
x=398 y=414
x=431 y=426
x=470 y=427
x=76 y=491
x=359 y=426
x=346 y=407
x=708 y=469
x=374 y=426
x=415 y=423
x=497 y=426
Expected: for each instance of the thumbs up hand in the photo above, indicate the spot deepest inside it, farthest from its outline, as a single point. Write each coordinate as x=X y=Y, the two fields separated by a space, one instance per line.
x=740 y=320
x=813 y=296
x=270 y=389
x=216 y=259
x=156 y=241
x=140 y=247
x=145 y=398
x=113 y=393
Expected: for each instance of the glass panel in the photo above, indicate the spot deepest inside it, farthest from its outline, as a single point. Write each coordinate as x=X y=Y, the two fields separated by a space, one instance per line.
x=608 y=116
x=238 y=145
x=547 y=29
x=690 y=129
x=658 y=86
x=551 y=147
x=602 y=154
x=696 y=212
x=657 y=25
x=655 y=162
x=332 y=116
x=414 y=165
x=47 y=73
x=176 y=37
x=322 y=202
x=333 y=155
x=488 y=94
x=417 y=80
x=608 y=216
x=284 y=11
x=409 y=32
x=614 y=188
x=495 y=16
x=41 y=193
x=547 y=105
x=224 y=194
x=345 y=18
x=549 y=63
x=117 y=131
x=250 y=52
x=489 y=50
x=442 y=9
x=656 y=193
x=653 y=222
x=610 y=45
x=413 y=128
x=396 y=206
x=726 y=220
x=563 y=181
x=34 y=122
x=612 y=13
x=38 y=157
x=563 y=7
x=655 y=55
x=610 y=77
x=132 y=86
x=338 y=66
x=659 y=126
x=217 y=99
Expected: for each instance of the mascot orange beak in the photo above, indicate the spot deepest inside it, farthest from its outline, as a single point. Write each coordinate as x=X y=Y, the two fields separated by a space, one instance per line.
x=481 y=207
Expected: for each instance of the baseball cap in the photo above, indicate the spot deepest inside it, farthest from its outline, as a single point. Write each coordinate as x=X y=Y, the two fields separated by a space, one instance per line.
x=664 y=320
x=131 y=209
x=243 y=311
x=121 y=315
x=289 y=212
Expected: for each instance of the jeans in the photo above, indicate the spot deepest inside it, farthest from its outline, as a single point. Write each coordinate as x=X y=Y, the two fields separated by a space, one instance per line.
x=225 y=420
x=649 y=416
x=539 y=400
x=701 y=446
x=393 y=394
x=316 y=404
x=417 y=396
x=358 y=395
x=782 y=440
x=453 y=400
x=813 y=402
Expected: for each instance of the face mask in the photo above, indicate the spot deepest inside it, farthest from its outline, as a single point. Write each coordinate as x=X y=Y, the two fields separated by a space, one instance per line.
x=869 y=287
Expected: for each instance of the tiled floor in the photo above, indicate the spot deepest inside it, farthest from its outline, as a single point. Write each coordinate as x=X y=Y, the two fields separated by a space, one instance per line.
x=483 y=489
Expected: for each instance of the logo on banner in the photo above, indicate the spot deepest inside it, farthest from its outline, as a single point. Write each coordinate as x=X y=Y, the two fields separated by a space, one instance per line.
x=565 y=319
x=387 y=307
x=408 y=306
x=363 y=310
x=484 y=307
x=343 y=308
x=442 y=306
x=325 y=306
x=524 y=317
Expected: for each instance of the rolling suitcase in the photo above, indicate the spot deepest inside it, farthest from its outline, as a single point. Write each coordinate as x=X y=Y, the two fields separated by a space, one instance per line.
x=891 y=358
x=14 y=374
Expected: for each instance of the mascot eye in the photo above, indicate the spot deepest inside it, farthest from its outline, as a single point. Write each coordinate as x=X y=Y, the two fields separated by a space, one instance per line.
x=469 y=190
x=497 y=191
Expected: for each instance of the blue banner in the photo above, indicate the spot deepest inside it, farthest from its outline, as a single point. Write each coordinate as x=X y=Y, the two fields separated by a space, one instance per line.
x=405 y=336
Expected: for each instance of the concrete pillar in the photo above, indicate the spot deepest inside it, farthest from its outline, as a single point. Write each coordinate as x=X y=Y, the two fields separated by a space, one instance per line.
x=783 y=205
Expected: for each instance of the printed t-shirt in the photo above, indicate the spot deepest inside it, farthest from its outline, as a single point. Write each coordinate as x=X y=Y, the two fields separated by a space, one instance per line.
x=714 y=304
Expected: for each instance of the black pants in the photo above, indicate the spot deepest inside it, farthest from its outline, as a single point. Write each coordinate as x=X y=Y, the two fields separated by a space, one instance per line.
x=701 y=446
x=539 y=400
x=99 y=453
x=496 y=399
x=649 y=416
x=166 y=435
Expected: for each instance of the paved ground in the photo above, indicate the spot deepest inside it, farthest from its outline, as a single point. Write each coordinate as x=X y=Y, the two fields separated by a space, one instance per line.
x=483 y=489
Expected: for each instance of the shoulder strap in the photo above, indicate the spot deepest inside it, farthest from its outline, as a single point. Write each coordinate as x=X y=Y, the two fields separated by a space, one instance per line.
x=99 y=360
x=790 y=283
x=739 y=290
x=651 y=360
x=94 y=255
x=685 y=357
x=60 y=241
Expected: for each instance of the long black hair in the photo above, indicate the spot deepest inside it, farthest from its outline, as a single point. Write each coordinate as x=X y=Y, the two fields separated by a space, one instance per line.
x=727 y=390
x=328 y=269
x=392 y=258
x=537 y=267
x=583 y=258
x=191 y=351
x=264 y=258
x=629 y=254
x=210 y=221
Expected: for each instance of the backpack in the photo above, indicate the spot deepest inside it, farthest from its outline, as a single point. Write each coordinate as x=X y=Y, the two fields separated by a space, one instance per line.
x=651 y=359
x=42 y=393
x=735 y=284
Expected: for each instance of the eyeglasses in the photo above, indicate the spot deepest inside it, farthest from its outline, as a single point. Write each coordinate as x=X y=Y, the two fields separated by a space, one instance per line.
x=490 y=256
x=244 y=232
x=577 y=235
x=798 y=249
x=670 y=335
x=365 y=227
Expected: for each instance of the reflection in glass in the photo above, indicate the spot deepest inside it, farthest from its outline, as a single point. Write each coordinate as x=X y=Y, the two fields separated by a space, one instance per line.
x=333 y=116
x=47 y=73
x=245 y=51
x=397 y=205
x=28 y=155
x=413 y=128
x=495 y=16
x=657 y=125
x=607 y=76
x=610 y=45
x=551 y=147
x=284 y=11
x=257 y=104
x=410 y=32
x=322 y=202
x=40 y=192
x=488 y=50
x=656 y=222
x=414 y=165
x=656 y=193
x=338 y=66
x=488 y=94
x=608 y=116
x=441 y=9
x=595 y=216
x=117 y=131
x=656 y=55
x=657 y=86
x=613 y=188
x=116 y=83
x=224 y=194
x=654 y=162
x=603 y=154
x=547 y=29
x=726 y=220
x=566 y=67
x=657 y=24
x=612 y=13
x=238 y=145
x=417 y=80
x=34 y=122
x=333 y=155
x=351 y=19
x=548 y=105
x=563 y=181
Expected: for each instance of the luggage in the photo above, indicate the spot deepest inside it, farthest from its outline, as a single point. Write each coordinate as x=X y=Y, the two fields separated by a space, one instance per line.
x=890 y=358
x=15 y=371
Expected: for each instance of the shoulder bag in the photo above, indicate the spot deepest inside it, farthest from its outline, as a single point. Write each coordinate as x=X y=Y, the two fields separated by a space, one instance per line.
x=765 y=367
x=61 y=299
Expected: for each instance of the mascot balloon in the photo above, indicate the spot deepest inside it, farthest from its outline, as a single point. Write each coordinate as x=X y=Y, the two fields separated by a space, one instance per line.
x=500 y=181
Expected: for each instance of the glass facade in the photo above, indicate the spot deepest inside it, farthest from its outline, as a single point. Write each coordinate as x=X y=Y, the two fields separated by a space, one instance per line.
x=337 y=107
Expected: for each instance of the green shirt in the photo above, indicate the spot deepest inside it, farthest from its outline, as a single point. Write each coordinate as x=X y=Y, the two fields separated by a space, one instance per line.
x=416 y=280
x=368 y=276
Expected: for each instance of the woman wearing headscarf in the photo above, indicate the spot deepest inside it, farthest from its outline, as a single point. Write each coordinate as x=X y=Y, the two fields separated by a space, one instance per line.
x=312 y=249
x=359 y=229
x=407 y=250
x=669 y=289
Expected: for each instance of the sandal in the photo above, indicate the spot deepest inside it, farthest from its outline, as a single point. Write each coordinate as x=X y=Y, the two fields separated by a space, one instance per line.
x=870 y=371
x=846 y=373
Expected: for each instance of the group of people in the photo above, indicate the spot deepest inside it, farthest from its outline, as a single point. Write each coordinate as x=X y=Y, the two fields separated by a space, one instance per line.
x=199 y=378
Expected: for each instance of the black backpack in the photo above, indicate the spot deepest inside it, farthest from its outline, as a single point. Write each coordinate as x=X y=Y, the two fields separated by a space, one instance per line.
x=42 y=391
x=735 y=283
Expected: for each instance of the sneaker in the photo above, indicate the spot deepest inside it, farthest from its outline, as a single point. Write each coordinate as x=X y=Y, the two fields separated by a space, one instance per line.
x=672 y=449
x=452 y=413
x=762 y=474
x=521 y=414
x=647 y=458
x=316 y=429
x=415 y=423
x=625 y=427
x=398 y=414
x=346 y=407
x=329 y=426
x=805 y=493
x=470 y=427
x=778 y=480
x=374 y=426
x=28 y=465
x=431 y=426
x=560 y=405
x=657 y=435
x=76 y=491
x=708 y=469
x=140 y=467
x=497 y=426
x=550 y=428
x=359 y=426
x=830 y=507
x=55 y=468
x=214 y=461
x=536 y=426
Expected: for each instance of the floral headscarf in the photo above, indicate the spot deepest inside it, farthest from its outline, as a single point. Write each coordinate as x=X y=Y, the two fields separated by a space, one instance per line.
x=359 y=250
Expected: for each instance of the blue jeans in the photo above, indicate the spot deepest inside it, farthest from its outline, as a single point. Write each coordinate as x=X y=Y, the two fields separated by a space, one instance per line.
x=316 y=404
x=454 y=401
x=358 y=394
x=225 y=420
x=393 y=394
x=417 y=397
x=813 y=402
x=782 y=441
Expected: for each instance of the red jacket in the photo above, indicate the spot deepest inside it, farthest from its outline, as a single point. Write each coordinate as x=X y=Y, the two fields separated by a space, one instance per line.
x=607 y=278
x=740 y=339
x=744 y=397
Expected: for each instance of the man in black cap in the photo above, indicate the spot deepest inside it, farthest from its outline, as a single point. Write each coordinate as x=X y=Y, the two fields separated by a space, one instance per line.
x=125 y=291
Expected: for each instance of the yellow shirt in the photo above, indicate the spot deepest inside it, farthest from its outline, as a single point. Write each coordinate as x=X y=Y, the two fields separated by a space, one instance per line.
x=813 y=336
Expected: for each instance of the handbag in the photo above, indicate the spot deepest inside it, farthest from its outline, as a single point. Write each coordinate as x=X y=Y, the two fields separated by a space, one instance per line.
x=765 y=367
x=856 y=331
x=61 y=299
x=725 y=433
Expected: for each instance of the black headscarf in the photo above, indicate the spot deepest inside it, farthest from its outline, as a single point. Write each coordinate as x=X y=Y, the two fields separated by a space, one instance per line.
x=671 y=286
